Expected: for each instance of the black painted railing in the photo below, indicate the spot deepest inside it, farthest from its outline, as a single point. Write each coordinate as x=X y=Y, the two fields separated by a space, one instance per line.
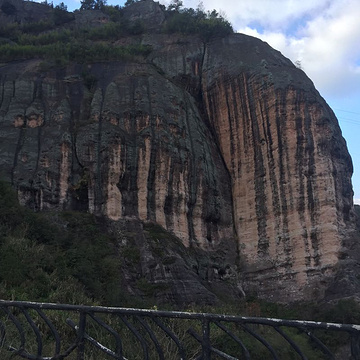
x=45 y=331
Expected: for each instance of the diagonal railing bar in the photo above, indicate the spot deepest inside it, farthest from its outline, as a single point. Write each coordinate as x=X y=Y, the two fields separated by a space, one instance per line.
x=262 y=340
x=74 y=344
x=320 y=344
x=161 y=334
x=20 y=329
x=118 y=344
x=98 y=345
x=28 y=356
x=196 y=336
x=291 y=342
x=53 y=331
x=152 y=337
x=235 y=338
x=222 y=354
x=133 y=329
x=35 y=330
x=171 y=335
x=104 y=348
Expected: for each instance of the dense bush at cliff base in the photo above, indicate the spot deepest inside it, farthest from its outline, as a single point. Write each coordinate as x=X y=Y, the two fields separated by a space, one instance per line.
x=54 y=257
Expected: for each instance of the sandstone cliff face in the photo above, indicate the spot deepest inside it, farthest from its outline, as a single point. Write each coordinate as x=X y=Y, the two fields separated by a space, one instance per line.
x=289 y=165
x=218 y=142
x=22 y=11
x=133 y=146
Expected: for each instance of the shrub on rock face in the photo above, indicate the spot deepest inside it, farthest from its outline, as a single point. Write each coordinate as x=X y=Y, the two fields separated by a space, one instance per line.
x=61 y=15
x=190 y=21
x=93 y=4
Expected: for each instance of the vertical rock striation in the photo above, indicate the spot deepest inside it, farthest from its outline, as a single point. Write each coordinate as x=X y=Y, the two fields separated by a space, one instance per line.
x=133 y=146
x=290 y=169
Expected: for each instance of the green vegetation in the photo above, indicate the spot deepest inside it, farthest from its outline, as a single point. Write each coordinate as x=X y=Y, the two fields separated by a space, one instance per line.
x=92 y=4
x=62 y=257
x=49 y=41
x=189 y=21
x=64 y=45
x=70 y=257
x=68 y=249
x=61 y=40
x=61 y=15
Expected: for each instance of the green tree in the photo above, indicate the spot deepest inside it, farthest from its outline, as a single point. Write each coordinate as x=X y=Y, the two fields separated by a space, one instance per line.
x=87 y=4
x=50 y=4
x=189 y=21
x=100 y=4
x=61 y=6
x=61 y=15
x=93 y=4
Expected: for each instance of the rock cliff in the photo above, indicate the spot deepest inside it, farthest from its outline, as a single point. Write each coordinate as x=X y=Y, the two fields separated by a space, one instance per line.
x=224 y=141
x=290 y=170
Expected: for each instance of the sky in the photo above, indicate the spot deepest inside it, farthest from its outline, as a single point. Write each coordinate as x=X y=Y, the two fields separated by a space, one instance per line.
x=322 y=35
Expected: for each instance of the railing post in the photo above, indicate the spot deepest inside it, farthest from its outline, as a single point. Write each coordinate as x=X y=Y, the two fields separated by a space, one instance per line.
x=81 y=337
x=206 y=351
x=355 y=346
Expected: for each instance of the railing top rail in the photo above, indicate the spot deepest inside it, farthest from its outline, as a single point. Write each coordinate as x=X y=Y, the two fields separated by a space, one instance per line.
x=183 y=315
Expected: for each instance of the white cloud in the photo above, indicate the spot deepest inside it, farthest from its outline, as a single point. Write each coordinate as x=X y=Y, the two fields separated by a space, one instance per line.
x=326 y=45
x=271 y=14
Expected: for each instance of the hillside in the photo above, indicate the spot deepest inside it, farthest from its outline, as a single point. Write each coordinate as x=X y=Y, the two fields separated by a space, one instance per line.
x=208 y=159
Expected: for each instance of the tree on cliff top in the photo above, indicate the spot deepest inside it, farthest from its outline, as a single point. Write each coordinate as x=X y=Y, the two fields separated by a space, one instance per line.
x=61 y=15
x=93 y=4
x=190 y=21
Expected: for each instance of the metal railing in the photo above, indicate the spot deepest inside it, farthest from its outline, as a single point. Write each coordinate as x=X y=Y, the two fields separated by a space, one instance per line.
x=45 y=331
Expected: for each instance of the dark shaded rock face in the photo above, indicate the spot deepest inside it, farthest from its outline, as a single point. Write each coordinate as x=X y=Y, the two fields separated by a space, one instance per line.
x=149 y=13
x=22 y=11
x=219 y=143
x=158 y=265
x=134 y=146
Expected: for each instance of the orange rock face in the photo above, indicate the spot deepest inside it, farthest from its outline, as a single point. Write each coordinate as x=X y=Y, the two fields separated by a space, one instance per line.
x=289 y=167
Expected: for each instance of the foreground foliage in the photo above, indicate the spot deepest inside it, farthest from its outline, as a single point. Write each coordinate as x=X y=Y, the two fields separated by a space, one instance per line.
x=54 y=257
x=189 y=21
